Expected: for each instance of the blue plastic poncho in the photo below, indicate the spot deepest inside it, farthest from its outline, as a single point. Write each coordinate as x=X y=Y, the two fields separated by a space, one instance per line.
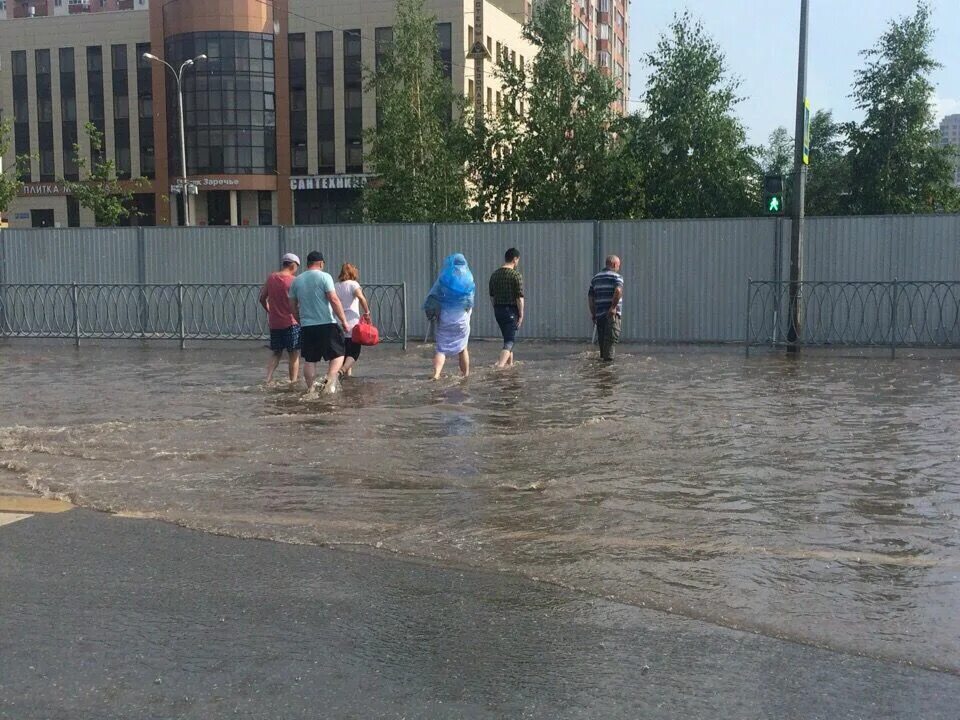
x=454 y=288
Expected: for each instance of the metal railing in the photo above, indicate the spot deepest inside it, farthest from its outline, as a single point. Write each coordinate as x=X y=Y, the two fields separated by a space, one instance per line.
x=891 y=314
x=164 y=312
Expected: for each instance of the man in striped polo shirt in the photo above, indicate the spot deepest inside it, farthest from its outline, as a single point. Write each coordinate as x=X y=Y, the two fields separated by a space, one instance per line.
x=606 y=305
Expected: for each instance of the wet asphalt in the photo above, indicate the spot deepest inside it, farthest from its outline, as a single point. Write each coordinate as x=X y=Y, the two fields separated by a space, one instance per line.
x=104 y=617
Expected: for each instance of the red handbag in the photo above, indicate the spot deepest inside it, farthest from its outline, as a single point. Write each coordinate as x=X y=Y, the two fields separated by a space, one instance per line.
x=365 y=333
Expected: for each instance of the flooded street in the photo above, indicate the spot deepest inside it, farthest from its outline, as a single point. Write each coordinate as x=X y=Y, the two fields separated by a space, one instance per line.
x=815 y=500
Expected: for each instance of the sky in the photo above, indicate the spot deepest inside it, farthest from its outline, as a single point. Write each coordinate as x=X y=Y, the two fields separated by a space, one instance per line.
x=760 y=40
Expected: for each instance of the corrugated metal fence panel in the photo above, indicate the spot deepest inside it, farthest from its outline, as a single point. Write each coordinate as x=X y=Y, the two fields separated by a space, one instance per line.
x=210 y=255
x=72 y=255
x=686 y=280
x=383 y=253
x=926 y=248
x=556 y=260
x=846 y=248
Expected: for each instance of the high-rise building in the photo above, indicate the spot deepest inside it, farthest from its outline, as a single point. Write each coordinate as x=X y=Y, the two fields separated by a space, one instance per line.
x=603 y=36
x=950 y=135
x=274 y=117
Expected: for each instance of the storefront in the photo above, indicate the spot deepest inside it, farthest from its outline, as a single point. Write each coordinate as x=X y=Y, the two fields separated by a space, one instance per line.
x=327 y=199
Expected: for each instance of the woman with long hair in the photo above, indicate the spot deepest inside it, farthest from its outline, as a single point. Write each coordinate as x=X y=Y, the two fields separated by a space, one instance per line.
x=352 y=298
x=450 y=304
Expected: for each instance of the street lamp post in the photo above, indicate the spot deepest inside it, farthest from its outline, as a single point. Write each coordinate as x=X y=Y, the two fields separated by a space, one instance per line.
x=178 y=76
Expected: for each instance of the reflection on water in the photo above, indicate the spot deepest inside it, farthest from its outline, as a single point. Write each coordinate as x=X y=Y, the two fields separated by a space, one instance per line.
x=815 y=500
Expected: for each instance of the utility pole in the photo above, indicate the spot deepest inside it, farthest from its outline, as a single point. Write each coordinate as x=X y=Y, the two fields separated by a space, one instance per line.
x=800 y=159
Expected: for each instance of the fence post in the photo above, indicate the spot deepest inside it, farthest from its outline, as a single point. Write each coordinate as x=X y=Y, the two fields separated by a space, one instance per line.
x=434 y=249
x=894 y=301
x=746 y=339
x=3 y=283
x=282 y=241
x=597 y=245
x=75 y=300
x=404 y=300
x=180 y=323
x=142 y=305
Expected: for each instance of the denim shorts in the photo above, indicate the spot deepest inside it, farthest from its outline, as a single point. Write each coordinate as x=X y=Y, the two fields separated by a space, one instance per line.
x=286 y=339
x=508 y=316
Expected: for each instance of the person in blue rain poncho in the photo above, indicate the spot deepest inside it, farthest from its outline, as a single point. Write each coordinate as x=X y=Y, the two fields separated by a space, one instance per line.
x=450 y=305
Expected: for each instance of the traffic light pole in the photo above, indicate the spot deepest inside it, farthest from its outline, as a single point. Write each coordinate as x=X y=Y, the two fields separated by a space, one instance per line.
x=794 y=338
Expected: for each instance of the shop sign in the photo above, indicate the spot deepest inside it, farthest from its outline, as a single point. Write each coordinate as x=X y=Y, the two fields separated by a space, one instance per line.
x=42 y=189
x=218 y=182
x=329 y=182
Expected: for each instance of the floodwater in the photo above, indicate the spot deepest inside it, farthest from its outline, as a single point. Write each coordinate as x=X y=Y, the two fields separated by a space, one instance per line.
x=816 y=500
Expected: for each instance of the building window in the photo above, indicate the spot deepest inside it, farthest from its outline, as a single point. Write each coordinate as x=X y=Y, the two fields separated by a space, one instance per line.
x=95 y=96
x=353 y=100
x=264 y=207
x=121 y=111
x=326 y=114
x=21 y=107
x=68 y=112
x=298 y=103
x=228 y=100
x=48 y=169
x=145 y=112
x=73 y=211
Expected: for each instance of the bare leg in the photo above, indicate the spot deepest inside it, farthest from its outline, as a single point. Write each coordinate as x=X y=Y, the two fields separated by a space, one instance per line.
x=310 y=374
x=272 y=365
x=332 y=369
x=348 y=364
x=510 y=361
x=506 y=357
x=294 y=361
x=465 y=362
x=438 y=360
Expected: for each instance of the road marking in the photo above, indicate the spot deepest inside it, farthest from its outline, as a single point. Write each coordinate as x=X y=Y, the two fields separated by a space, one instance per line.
x=7 y=518
x=28 y=504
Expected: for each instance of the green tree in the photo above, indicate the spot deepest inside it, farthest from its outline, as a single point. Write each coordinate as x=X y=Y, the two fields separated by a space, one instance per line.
x=828 y=179
x=11 y=178
x=418 y=152
x=553 y=148
x=696 y=159
x=777 y=155
x=100 y=191
x=897 y=164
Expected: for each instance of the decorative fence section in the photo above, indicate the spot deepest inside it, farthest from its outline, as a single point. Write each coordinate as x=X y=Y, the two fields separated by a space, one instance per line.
x=915 y=313
x=170 y=312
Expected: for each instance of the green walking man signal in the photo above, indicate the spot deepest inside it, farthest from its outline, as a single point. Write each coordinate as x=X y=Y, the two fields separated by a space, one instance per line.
x=773 y=195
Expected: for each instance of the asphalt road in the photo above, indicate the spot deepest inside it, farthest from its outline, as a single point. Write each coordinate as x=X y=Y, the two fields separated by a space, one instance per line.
x=104 y=617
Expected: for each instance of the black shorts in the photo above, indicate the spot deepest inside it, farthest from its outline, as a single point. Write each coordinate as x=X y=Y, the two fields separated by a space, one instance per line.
x=352 y=349
x=321 y=342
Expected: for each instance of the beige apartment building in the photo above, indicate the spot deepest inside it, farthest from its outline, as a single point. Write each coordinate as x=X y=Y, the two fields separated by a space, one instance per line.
x=274 y=117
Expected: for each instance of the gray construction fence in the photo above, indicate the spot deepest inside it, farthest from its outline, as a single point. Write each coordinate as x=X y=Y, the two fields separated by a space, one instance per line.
x=687 y=281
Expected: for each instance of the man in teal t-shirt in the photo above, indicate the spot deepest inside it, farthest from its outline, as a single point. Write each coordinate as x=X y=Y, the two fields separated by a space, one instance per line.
x=317 y=309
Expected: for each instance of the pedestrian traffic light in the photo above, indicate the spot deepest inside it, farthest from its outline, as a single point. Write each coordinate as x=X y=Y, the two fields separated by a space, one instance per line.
x=773 y=195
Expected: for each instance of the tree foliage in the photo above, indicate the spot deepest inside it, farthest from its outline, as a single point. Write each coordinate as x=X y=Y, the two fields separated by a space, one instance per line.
x=828 y=180
x=11 y=178
x=776 y=156
x=100 y=191
x=896 y=162
x=696 y=161
x=419 y=153
x=552 y=149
